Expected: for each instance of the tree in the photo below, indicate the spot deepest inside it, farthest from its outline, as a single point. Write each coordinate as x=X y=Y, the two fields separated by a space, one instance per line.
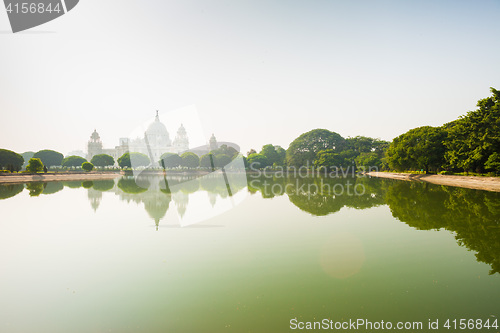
x=170 y=160
x=360 y=144
x=34 y=165
x=102 y=160
x=369 y=161
x=258 y=161
x=190 y=160
x=329 y=159
x=251 y=151
x=222 y=160
x=419 y=148
x=473 y=138
x=208 y=161
x=225 y=150
x=276 y=155
x=73 y=161
x=10 y=160
x=303 y=150
x=87 y=166
x=281 y=155
x=133 y=159
x=49 y=157
x=493 y=162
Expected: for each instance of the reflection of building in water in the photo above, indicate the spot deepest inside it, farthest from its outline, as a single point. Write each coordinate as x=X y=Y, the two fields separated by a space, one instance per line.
x=156 y=204
x=157 y=194
x=158 y=139
x=181 y=200
x=95 y=198
x=212 y=197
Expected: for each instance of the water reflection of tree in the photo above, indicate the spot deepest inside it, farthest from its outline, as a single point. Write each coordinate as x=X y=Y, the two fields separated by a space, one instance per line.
x=104 y=185
x=9 y=191
x=35 y=189
x=473 y=215
x=72 y=184
x=129 y=185
x=321 y=196
x=53 y=187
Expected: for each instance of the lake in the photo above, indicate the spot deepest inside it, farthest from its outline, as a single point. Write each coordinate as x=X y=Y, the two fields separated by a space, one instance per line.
x=236 y=253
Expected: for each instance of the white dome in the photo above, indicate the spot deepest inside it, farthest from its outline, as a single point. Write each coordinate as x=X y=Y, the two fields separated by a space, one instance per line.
x=157 y=128
x=157 y=134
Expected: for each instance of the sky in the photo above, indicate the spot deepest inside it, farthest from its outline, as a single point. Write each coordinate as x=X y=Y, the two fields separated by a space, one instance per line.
x=256 y=72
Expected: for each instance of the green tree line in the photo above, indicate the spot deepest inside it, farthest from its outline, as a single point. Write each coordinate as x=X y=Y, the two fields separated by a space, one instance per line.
x=469 y=144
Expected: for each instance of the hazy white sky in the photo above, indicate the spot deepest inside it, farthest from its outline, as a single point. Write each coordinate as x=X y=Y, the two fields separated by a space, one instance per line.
x=258 y=72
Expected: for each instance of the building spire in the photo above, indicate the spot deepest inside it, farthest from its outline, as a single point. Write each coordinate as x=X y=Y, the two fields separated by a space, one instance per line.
x=157 y=118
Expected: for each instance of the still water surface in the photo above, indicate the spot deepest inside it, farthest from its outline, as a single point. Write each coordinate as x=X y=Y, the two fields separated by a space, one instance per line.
x=214 y=254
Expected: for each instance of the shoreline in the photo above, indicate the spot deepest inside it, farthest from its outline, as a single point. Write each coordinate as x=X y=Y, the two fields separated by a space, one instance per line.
x=473 y=182
x=55 y=177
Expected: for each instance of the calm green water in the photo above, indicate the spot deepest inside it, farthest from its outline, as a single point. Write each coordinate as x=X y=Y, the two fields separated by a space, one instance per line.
x=219 y=254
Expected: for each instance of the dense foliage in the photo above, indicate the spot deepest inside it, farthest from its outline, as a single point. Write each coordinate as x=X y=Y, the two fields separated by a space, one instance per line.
x=470 y=143
x=208 y=161
x=133 y=159
x=222 y=160
x=275 y=155
x=103 y=160
x=474 y=139
x=87 y=166
x=10 y=160
x=73 y=161
x=49 y=157
x=190 y=160
x=225 y=150
x=258 y=161
x=170 y=160
x=34 y=165
x=303 y=150
x=419 y=148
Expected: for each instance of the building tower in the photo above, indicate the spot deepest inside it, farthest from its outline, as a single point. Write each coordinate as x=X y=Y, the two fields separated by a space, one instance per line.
x=181 y=142
x=213 y=143
x=94 y=146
